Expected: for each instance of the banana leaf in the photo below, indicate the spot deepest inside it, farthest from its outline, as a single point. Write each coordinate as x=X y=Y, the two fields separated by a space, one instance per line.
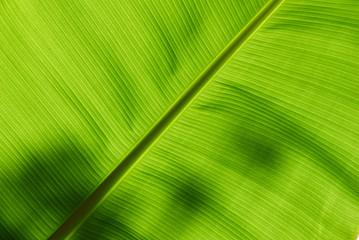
x=179 y=119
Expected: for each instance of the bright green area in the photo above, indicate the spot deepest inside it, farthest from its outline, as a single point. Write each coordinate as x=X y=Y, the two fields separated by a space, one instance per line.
x=81 y=82
x=269 y=150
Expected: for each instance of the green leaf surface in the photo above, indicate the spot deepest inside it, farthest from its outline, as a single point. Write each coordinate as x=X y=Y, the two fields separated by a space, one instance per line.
x=102 y=97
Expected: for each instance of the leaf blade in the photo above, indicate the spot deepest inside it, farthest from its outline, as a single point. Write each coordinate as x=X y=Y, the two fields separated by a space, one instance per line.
x=252 y=157
x=165 y=122
x=82 y=82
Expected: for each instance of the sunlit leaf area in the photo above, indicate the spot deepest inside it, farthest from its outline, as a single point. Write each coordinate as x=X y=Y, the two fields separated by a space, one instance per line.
x=179 y=119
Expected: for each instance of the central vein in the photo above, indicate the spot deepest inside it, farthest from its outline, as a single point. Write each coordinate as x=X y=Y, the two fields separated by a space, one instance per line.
x=73 y=222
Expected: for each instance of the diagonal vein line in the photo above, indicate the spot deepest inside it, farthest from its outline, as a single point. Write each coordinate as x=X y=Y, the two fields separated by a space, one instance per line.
x=73 y=222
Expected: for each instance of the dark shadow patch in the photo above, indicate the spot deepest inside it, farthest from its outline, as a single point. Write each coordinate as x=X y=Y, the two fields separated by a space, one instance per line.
x=8 y=232
x=261 y=153
x=46 y=192
x=257 y=113
x=189 y=195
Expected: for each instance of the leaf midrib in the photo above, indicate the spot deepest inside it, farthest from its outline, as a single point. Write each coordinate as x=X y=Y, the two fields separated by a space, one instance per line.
x=135 y=154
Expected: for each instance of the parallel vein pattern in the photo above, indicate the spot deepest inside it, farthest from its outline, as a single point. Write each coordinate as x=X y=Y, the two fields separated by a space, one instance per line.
x=269 y=150
x=153 y=135
x=81 y=82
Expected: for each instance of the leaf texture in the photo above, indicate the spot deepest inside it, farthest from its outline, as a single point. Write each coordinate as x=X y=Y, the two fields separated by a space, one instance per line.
x=81 y=82
x=268 y=150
